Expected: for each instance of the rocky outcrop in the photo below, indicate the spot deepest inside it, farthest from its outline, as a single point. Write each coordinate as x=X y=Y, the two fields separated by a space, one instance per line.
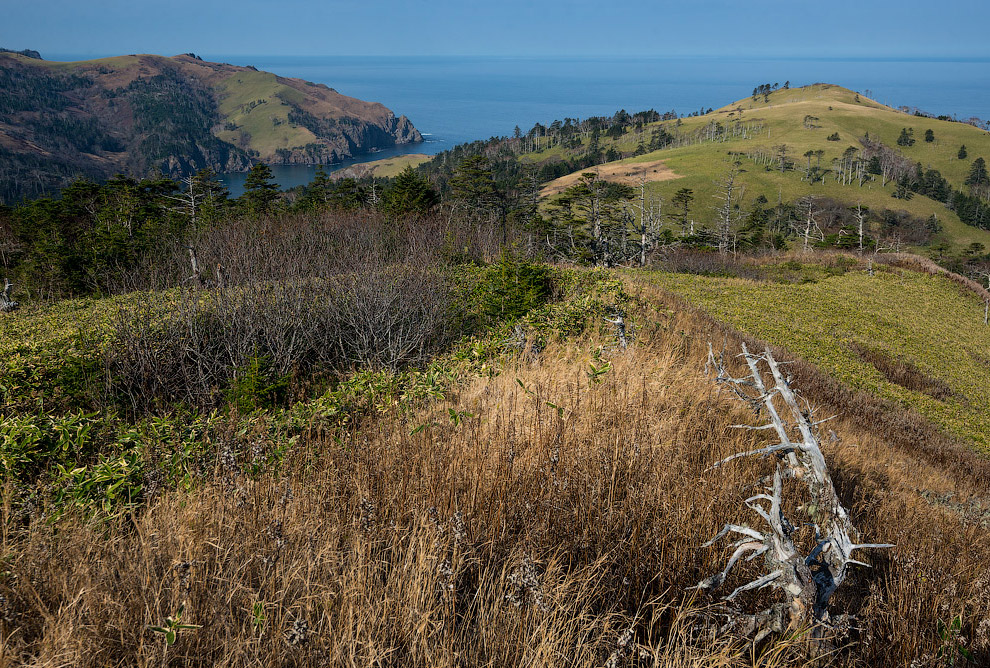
x=142 y=114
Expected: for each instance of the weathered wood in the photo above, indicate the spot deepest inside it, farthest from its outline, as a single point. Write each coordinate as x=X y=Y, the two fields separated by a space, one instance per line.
x=7 y=303
x=807 y=581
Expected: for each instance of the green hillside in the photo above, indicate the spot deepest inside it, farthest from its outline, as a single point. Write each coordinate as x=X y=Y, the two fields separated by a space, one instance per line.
x=909 y=337
x=801 y=119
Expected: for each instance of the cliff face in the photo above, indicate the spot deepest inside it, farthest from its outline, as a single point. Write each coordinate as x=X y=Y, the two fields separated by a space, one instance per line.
x=139 y=114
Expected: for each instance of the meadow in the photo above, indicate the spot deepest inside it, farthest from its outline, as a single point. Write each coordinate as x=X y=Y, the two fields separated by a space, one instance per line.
x=533 y=495
x=781 y=121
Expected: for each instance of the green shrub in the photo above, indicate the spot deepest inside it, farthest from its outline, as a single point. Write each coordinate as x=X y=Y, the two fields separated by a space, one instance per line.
x=511 y=288
x=31 y=444
x=257 y=385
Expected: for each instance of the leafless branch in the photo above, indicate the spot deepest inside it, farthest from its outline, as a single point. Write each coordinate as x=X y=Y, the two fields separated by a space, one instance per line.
x=807 y=581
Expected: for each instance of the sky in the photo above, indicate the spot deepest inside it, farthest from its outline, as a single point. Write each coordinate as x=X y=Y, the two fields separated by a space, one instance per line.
x=775 y=28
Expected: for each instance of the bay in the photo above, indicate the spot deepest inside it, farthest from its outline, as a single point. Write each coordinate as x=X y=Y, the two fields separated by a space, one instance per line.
x=458 y=99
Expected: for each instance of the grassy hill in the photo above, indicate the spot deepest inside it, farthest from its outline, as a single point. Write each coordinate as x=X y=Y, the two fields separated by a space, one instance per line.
x=559 y=486
x=781 y=120
x=138 y=113
x=912 y=338
x=384 y=168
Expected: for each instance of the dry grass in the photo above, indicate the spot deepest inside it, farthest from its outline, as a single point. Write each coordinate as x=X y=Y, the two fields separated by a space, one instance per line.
x=617 y=172
x=902 y=372
x=521 y=533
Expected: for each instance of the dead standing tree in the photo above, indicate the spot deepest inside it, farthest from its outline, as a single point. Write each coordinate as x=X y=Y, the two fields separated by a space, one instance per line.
x=7 y=302
x=806 y=580
x=726 y=212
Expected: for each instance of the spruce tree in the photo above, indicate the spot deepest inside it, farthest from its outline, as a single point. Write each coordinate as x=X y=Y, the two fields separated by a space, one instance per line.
x=929 y=135
x=408 y=193
x=962 y=152
x=260 y=191
x=978 y=174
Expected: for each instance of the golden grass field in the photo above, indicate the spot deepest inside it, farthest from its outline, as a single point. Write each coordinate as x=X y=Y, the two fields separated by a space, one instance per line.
x=544 y=507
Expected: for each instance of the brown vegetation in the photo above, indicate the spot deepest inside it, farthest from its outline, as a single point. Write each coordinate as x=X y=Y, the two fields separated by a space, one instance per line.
x=903 y=373
x=542 y=517
x=629 y=173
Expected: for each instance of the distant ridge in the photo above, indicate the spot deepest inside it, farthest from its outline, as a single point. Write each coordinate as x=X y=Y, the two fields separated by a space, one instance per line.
x=28 y=53
x=140 y=114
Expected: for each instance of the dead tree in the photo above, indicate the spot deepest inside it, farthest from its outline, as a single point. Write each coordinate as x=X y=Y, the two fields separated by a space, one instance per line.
x=7 y=303
x=196 y=277
x=985 y=274
x=725 y=213
x=861 y=220
x=620 y=328
x=807 y=577
x=650 y=221
x=810 y=230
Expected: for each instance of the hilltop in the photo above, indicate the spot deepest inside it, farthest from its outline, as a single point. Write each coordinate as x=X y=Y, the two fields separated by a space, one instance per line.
x=139 y=113
x=814 y=140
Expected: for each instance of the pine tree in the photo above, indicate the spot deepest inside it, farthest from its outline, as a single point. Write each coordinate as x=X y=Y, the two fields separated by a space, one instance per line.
x=962 y=152
x=903 y=189
x=682 y=200
x=260 y=191
x=929 y=136
x=978 y=181
x=408 y=193
x=906 y=137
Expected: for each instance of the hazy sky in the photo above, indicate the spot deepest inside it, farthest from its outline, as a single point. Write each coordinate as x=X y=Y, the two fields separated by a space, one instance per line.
x=830 y=28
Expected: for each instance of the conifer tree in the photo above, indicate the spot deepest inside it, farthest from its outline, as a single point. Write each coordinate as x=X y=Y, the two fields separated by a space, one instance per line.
x=260 y=191
x=408 y=193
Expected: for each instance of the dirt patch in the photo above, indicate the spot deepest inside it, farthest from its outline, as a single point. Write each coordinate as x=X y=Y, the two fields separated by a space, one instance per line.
x=629 y=173
x=903 y=373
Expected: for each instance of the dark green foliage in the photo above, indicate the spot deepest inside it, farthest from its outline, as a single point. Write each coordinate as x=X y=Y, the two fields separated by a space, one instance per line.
x=409 y=193
x=761 y=229
x=903 y=188
x=475 y=189
x=833 y=137
x=261 y=193
x=509 y=289
x=906 y=138
x=962 y=154
x=971 y=210
x=978 y=174
x=929 y=135
x=257 y=385
x=682 y=202
x=324 y=193
x=90 y=236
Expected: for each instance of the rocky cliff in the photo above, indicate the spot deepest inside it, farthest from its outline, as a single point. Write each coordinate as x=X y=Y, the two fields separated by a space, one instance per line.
x=143 y=113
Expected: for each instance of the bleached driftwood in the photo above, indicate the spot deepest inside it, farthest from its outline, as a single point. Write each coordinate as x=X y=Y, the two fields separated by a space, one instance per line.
x=807 y=580
x=7 y=302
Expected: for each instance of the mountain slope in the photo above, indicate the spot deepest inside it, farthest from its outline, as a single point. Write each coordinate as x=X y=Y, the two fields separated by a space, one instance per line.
x=138 y=113
x=801 y=120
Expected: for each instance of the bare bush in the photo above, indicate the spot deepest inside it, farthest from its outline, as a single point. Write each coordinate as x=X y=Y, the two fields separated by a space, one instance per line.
x=284 y=298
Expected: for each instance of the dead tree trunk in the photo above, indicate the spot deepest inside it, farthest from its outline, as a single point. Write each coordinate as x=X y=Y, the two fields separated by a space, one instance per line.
x=196 y=277
x=7 y=303
x=620 y=329
x=807 y=577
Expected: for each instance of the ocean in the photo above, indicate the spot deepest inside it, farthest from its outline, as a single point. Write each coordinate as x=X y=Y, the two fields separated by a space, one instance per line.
x=458 y=99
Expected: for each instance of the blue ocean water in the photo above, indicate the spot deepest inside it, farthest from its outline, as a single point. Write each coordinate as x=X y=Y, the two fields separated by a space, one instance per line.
x=457 y=99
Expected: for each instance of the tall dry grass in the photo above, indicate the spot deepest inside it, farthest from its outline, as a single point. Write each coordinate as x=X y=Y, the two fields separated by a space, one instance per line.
x=553 y=521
